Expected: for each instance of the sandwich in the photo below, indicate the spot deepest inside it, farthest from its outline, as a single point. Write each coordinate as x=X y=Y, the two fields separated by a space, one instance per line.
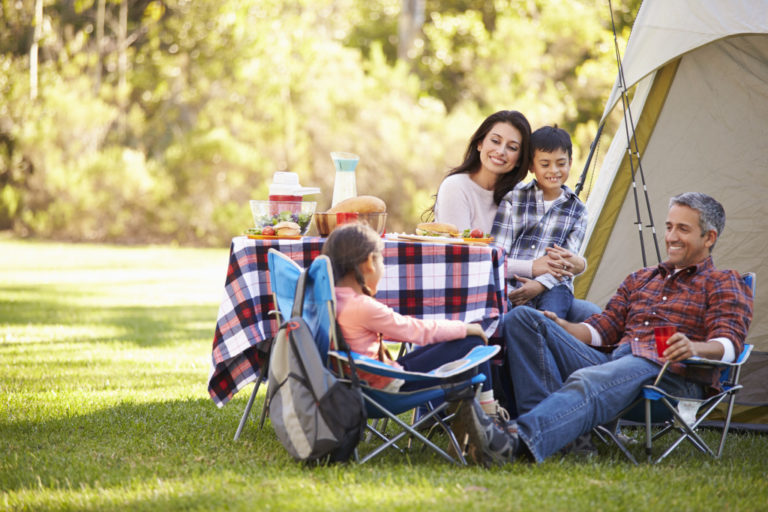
x=443 y=229
x=287 y=228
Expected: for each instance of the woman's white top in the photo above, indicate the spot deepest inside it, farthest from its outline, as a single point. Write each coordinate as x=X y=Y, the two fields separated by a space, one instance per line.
x=464 y=203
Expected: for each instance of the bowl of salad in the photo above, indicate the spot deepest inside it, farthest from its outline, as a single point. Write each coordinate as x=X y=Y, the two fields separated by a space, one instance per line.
x=271 y=213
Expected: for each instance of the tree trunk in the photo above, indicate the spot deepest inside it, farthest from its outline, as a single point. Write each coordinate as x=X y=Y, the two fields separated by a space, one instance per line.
x=33 y=50
x=409 y=25
x=99 y=44
x=122 y=65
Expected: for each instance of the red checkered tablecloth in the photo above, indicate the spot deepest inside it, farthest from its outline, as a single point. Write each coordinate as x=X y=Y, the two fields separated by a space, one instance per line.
x=431 y=281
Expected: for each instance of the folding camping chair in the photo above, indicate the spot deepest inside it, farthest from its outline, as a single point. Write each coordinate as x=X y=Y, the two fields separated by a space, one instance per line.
x=445 y=383
x=284 y=274
x=682 y=414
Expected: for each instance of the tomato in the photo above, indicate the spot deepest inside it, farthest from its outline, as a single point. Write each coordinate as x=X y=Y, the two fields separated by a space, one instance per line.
x=268 y=231
x=477 y=233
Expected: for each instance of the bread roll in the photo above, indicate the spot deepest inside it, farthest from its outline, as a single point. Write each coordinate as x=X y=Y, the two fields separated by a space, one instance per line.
x=437 y=229
x=360 y=204
x=287 y=228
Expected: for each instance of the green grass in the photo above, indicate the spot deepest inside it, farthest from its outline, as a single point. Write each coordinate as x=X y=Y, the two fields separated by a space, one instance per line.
x=104 y=360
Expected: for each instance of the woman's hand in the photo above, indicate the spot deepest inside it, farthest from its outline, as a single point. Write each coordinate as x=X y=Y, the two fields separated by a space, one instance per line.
x=559 y=262
x=476 y=330
x=525 y=293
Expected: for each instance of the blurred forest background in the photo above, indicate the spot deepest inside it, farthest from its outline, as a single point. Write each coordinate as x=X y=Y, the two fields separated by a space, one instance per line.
x=147 y=121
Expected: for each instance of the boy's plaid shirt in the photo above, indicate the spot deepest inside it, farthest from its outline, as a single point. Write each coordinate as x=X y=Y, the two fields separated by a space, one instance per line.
x=524 y=230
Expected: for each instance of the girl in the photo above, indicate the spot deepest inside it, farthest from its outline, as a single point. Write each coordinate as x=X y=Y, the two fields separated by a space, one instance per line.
x=355 y=251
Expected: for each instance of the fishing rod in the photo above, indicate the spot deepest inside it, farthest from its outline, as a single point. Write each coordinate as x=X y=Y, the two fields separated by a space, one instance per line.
x=631 y=139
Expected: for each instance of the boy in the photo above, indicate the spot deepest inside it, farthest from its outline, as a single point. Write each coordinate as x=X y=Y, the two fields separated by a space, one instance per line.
x=540 y=225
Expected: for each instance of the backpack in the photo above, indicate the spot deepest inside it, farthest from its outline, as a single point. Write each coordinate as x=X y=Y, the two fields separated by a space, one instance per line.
x=316 y=416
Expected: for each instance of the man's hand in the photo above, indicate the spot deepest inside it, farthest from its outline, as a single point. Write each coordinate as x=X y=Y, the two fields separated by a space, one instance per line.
x=578 y=331
x=525 y=293
x=680 y=347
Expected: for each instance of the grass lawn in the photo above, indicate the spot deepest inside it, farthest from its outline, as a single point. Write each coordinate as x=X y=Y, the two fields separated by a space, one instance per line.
x=104 y=360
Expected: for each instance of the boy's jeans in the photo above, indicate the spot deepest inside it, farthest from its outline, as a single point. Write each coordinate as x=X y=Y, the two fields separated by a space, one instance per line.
x=564 y=388
x=557 y=299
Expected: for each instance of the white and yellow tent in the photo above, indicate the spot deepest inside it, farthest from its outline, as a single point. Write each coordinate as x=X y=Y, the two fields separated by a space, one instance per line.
x=697 y=73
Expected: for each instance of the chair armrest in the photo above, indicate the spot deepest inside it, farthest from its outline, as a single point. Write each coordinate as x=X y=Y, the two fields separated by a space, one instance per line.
x=701 y=361
x=472 y=359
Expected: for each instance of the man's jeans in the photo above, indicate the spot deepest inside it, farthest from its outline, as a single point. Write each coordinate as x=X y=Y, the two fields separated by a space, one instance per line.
x=564 y=388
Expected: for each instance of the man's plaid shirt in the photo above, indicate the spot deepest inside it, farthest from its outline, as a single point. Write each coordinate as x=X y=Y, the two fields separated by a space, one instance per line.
x=701 y=301
x=524 y=230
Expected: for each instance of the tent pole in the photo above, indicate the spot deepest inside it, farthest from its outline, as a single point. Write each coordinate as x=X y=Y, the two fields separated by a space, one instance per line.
x=583 y=177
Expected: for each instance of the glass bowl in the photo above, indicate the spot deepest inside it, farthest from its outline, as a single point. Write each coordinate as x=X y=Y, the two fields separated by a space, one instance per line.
x=327 y=222
x=269 y=213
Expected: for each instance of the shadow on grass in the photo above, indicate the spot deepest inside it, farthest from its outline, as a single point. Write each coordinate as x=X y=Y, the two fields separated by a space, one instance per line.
x=145 y=326
x=132 y=443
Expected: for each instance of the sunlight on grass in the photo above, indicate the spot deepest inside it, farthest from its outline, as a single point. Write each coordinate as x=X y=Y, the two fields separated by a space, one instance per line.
x=104 y=360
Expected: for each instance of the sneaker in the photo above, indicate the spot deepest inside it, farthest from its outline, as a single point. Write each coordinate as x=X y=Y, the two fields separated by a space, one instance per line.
x=498 y=414
x=581 y=446
x=484 y=442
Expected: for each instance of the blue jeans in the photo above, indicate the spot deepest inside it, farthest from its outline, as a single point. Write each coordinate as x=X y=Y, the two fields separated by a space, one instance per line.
x=565 y=388
x=581 y=310
x=429 y=357
x=557 y=299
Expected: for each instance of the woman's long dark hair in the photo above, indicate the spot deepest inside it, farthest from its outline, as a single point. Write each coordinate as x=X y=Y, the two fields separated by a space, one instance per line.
x=471 y=163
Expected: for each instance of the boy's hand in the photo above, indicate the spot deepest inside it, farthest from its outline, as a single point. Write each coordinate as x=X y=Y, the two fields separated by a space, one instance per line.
x=525 y=293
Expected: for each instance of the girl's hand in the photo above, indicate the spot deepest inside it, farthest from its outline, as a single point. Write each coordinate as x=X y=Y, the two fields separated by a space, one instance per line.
x=476 y=330
x=529 y=290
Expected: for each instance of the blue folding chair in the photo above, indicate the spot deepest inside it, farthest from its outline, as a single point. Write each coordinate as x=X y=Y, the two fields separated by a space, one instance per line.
x=682 y=414
x=450 y=382
x=284 y=274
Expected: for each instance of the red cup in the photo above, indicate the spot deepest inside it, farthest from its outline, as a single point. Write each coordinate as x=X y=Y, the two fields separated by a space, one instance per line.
x=662 y=334
x=346 y=217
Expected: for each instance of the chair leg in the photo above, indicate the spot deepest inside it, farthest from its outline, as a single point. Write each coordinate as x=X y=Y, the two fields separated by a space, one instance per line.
x=604 y=432
x=648 y=433
x=727 y=425
x=248 y=406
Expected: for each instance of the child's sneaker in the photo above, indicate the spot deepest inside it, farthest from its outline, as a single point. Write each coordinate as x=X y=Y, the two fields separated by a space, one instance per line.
x=487 y=444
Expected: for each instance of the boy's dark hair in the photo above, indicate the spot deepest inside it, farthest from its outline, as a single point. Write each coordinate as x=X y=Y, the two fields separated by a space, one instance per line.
x=550 y=138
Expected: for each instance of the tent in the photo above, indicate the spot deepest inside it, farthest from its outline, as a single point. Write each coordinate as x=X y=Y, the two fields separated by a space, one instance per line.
x=697 y=75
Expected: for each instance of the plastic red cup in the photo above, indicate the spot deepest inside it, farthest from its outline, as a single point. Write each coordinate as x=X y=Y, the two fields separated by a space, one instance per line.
x=662 y=334
x=346 y=217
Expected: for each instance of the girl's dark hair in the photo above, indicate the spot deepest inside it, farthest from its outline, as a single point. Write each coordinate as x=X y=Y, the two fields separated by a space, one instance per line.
x=350 y=245
x=471 y=163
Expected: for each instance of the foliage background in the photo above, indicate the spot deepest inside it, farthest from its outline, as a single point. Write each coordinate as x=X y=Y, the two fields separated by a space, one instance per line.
x=159 y=124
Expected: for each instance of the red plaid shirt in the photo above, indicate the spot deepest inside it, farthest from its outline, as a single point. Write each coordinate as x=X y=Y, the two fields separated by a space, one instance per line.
x=701 y=301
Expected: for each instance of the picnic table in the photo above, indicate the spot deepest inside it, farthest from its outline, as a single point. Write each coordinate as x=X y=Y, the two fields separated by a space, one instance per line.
x=425 y=280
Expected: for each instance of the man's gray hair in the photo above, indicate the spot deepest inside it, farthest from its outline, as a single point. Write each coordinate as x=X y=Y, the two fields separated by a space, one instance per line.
x=711 y=212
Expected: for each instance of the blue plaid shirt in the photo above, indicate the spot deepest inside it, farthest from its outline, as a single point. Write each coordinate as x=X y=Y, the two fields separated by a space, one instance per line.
x=524 y=231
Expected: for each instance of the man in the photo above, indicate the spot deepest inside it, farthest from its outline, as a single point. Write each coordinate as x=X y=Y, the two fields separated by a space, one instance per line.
x=564 y=386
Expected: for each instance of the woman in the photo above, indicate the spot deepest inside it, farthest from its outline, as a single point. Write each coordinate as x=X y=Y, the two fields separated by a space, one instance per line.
x=496 y=159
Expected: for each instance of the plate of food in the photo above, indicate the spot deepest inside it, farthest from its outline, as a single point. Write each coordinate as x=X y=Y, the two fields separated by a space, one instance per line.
x=444 y=233
x=285 y=230
x=274 y=237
